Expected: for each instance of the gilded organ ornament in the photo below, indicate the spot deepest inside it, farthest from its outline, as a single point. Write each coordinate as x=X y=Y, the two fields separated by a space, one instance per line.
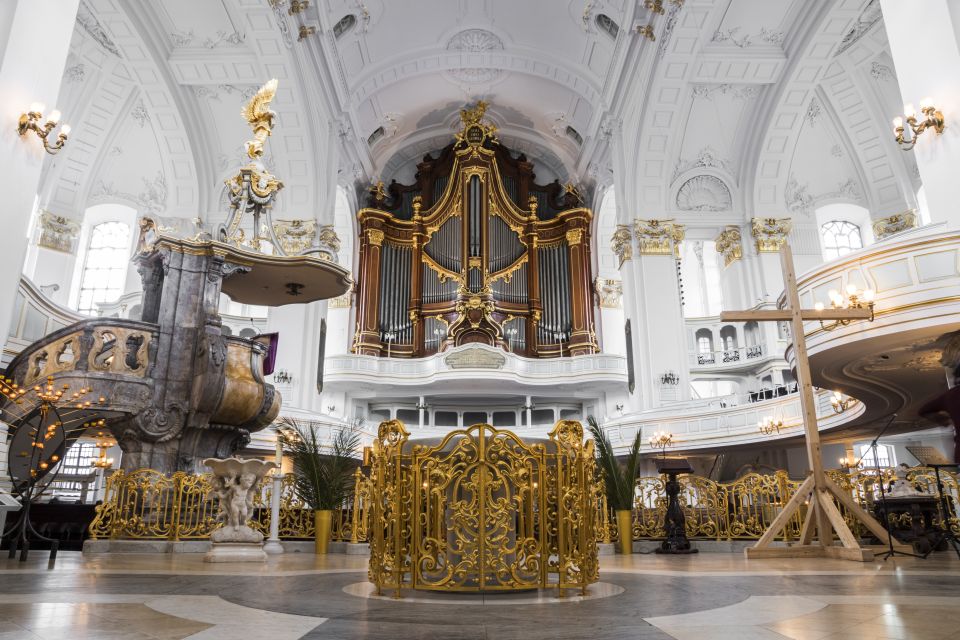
x=769 y=234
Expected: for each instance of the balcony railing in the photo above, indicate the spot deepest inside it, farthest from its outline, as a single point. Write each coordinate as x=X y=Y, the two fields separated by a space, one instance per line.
x=728 y=357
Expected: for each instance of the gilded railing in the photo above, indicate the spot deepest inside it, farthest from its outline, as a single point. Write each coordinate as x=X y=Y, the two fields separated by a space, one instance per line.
x=483 y=510
x=743 y=509
x=146 y=504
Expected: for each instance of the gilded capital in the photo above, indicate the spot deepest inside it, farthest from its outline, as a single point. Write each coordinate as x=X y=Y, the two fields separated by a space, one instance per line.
x=769 y=234
x=622 y=244
x=375 y=236
x=659 y=237
x=896 y=223
x=730 y=245
x=609 y=292
x=574 y=236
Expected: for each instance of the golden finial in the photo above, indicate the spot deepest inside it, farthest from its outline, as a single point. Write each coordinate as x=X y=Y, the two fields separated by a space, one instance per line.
x=473 y=116
x=260 y=117
x=475 y=132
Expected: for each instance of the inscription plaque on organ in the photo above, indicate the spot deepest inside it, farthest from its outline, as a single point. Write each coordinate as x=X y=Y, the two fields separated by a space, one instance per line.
x=475 y=252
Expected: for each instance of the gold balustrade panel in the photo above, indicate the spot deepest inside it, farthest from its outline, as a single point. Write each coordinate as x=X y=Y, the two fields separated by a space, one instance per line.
x=146 y=504
x=482 y=510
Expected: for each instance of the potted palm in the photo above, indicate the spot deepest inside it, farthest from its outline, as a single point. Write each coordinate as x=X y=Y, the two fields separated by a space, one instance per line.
x=619 y=479
x=323 y=472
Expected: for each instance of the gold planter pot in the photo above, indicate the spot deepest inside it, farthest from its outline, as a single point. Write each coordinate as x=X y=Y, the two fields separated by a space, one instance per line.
x=625 y=530
x=322 y=521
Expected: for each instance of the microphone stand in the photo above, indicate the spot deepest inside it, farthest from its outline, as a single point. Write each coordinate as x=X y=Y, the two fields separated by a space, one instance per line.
x=883 y=495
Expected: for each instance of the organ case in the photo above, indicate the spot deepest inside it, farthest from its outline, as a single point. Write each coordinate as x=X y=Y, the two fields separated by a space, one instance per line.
x=456 y=259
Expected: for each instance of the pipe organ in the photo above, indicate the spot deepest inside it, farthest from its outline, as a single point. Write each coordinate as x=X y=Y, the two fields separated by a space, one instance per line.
x=474 y=252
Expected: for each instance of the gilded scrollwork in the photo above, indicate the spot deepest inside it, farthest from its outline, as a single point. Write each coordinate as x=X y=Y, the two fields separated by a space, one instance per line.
x=896 y=223
x=769 y=234
x=730 y=245
x=622 y=244
x=659 y=237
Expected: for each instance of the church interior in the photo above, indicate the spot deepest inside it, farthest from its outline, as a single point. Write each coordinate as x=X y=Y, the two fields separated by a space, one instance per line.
x=360 y=319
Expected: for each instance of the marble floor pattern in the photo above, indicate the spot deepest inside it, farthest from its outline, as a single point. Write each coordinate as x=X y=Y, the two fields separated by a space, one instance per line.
x=708 y=596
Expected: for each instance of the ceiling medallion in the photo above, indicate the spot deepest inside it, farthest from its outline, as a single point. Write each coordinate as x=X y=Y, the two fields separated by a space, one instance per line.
x=704 y=193
x=475 y=41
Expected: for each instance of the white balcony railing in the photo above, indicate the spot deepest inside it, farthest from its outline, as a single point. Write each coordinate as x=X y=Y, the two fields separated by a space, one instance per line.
x=729 y=358
x=700 y=428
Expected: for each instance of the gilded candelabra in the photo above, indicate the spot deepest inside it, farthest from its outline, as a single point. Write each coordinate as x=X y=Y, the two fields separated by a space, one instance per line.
x=853 y=298
x=932 y=119
x=43 y=419
x=30 y=121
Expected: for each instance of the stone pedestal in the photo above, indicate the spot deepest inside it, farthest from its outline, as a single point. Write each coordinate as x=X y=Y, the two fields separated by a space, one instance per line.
x=236 y=552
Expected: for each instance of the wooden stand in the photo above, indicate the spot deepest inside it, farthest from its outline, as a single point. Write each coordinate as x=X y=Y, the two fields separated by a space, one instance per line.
x=818 y=491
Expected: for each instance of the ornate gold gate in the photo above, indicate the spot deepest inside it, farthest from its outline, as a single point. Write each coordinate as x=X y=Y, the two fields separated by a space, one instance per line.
x=481 y=510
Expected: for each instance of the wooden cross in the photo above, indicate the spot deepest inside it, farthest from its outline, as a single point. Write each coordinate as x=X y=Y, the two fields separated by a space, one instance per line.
x=823 y=516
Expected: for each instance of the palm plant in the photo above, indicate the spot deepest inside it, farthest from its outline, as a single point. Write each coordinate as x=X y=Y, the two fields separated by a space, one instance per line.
x=618 y=478
x=323 y=473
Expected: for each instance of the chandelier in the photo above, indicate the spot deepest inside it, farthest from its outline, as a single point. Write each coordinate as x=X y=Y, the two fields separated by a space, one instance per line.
x=769 y=425
x=853 y=298
x=841 y=403
x=661 y=440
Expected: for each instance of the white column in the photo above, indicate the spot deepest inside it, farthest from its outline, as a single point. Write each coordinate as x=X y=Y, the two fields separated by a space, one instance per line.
x=659 y=329
x=923 y=43
x=420 y=405
x=34 y=41
x=529 y=409
x=272 y=545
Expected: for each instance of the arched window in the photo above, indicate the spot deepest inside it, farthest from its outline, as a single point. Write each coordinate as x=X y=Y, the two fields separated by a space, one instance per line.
x=703 y=344
x=840 y=238
x=885 y=456
x=607 y=25
x=344 y=25
x=105 y=266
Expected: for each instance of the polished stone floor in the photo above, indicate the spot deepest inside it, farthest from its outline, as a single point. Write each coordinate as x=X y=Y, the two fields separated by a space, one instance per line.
x=702 y=597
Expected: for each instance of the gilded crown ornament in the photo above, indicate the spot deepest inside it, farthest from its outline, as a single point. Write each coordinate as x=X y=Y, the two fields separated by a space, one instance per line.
x=475 y=132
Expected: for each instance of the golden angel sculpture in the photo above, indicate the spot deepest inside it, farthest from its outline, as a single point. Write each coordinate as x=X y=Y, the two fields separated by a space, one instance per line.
x=257 y=112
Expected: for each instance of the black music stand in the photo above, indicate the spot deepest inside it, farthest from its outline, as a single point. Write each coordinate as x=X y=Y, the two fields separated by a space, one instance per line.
x=931 y=457
x=674 y=522
x=883 y=497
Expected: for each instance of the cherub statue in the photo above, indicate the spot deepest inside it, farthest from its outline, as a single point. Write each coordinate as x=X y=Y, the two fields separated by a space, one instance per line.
x=235 y=483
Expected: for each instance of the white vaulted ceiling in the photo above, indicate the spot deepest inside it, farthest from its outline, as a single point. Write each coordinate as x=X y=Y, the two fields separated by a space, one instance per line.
x=409 y=66
x=737 y=108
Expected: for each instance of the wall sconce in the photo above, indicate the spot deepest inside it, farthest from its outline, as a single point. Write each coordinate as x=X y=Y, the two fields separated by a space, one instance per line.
x=932 y=119
x=670 y=378
x=282 y=377
x=854 y=298
x=30 y=121
x=769 y=426
x=841 y=403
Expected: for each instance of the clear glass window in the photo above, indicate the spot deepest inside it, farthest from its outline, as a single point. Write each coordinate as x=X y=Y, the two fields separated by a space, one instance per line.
x=105 y=268
x=840 y=238
x=703 y=344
